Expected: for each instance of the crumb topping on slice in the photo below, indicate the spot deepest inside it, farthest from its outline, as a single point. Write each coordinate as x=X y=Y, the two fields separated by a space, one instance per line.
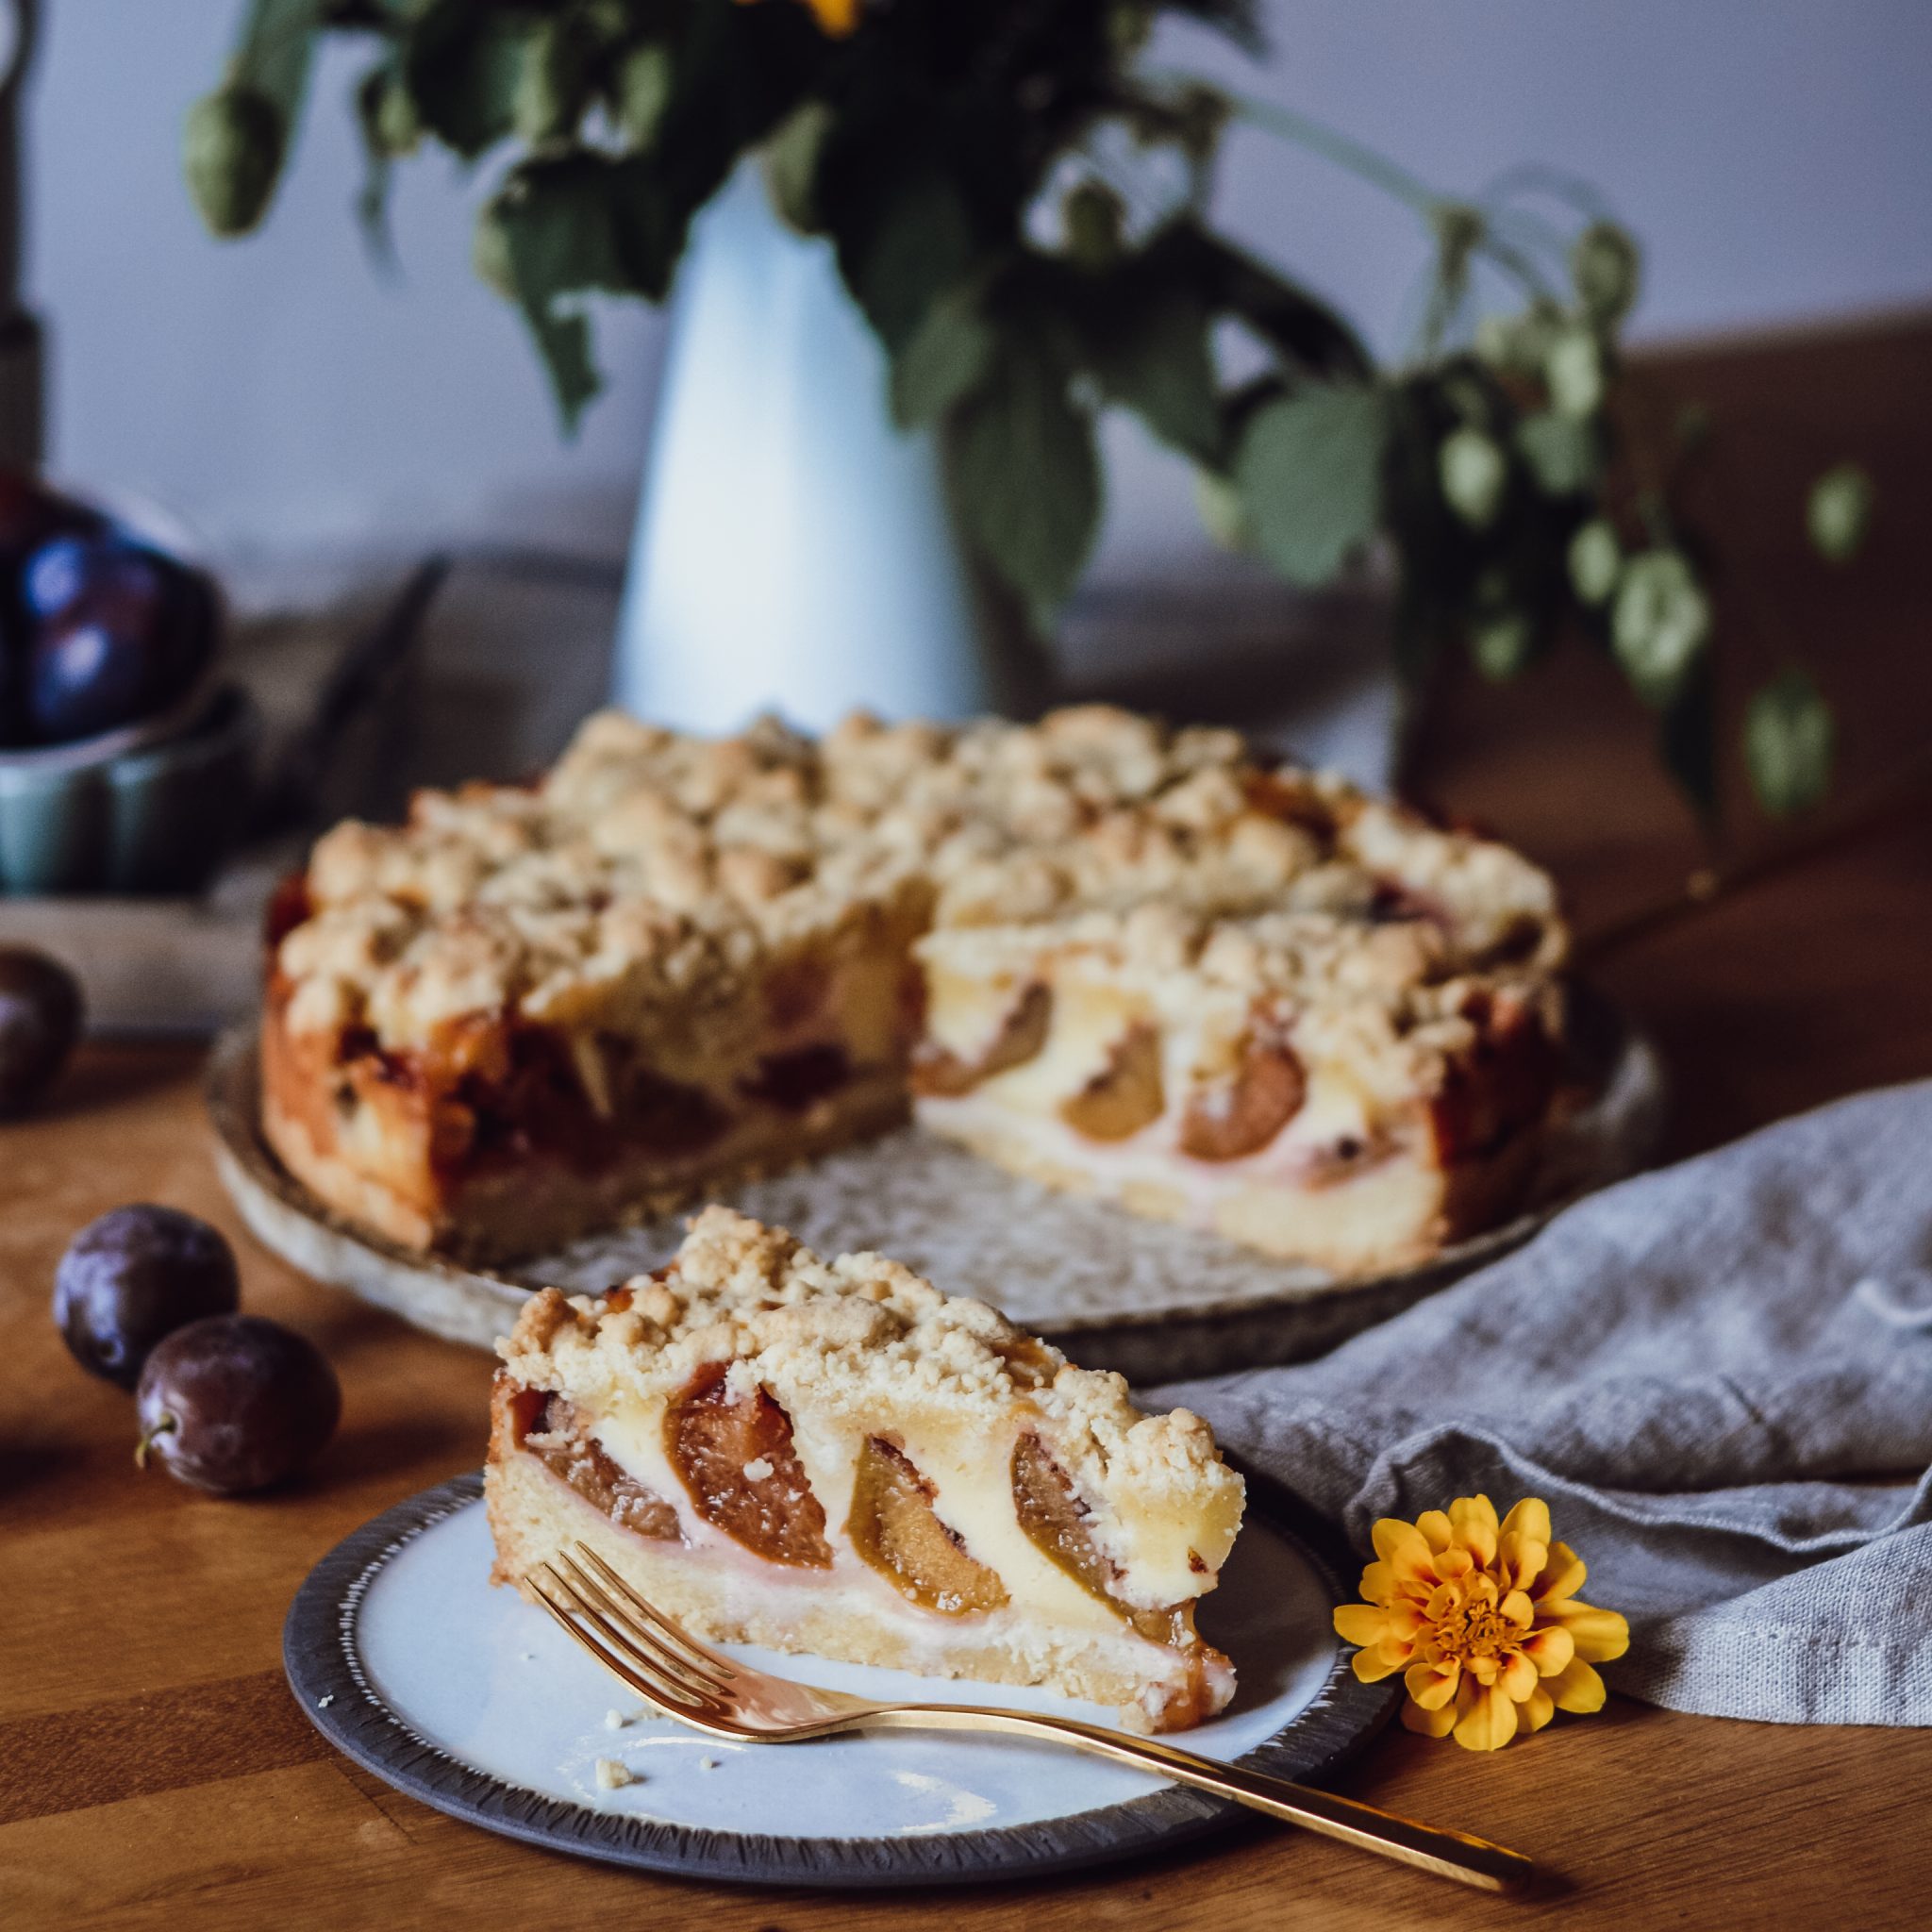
x=859 y=1337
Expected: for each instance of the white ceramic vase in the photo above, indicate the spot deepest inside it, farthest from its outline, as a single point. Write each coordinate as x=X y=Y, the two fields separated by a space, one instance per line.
x=793 y=549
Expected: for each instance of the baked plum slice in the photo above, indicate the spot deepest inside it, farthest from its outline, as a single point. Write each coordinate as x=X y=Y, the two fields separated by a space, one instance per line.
x=734 y=1453
x=1021 y=1035
x=895 y=1528
x=1230 y=1122
x=1125 y=1095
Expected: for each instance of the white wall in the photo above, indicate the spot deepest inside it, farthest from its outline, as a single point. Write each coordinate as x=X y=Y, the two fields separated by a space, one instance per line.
x=1774 y=154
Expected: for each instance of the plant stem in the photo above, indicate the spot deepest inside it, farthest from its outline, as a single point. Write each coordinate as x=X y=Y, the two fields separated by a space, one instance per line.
x=1345 y=152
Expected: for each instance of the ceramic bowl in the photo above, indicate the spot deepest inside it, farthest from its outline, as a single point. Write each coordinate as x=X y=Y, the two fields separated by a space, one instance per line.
x=152 y=806
x=155 y=819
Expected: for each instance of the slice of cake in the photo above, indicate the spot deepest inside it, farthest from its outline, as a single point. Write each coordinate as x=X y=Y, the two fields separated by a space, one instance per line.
x=833 y=1457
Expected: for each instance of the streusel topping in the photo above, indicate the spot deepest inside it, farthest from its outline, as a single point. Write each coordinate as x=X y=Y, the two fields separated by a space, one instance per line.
x=650 y=864
x=859 y=1335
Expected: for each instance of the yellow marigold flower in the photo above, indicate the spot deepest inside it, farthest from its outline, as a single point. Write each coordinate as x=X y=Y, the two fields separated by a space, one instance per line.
x=1483 y=1621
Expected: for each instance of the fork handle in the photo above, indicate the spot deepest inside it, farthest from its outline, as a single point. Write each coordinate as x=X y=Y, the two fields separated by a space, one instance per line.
x=1455 y=1854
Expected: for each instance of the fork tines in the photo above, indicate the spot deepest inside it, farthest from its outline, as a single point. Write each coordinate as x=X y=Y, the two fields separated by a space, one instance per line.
x=633 y=1639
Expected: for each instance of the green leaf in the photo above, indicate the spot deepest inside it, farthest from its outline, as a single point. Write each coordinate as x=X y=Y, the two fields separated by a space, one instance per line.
x=582 y=221
x=1561 y=452
x=919 y=246
x=277 y=51
x=946 y=357
x=642 y=91
x=1309 y=470
x=1789 y=736
x=463 y=64
x=791 y=160
x=1024 y=476
x=563 y=342
x=567 y=225
x=1660 y=624
x=1157 y=362
x=553 y=74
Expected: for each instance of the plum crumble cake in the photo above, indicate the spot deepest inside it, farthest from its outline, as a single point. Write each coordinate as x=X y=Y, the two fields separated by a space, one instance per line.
x=833 y=1457
x=1139 y=962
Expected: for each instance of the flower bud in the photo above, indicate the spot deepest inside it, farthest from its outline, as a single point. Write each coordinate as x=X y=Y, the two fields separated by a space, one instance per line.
x=1502 y=645
x=1223 y=515
x=1605 y=265
x=1594 y=560
x=231 y=152
x=1573 y=369
x=1839 y=513
x=1518 y=343
x=397 y=126
x=1660 y=621
x=1472 y=472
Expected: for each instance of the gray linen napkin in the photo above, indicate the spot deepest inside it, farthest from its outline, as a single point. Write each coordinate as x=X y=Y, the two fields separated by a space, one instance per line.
x=1719 y=1379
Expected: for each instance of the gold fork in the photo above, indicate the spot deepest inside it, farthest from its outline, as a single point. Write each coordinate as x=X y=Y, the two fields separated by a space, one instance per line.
x=702 y=1687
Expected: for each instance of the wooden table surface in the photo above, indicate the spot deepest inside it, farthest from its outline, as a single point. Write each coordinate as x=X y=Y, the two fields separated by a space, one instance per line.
x=154 y=1770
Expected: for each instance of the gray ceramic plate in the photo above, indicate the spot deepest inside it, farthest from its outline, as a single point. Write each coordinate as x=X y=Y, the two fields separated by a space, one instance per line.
x=1153 y=1301
x=473 y=1701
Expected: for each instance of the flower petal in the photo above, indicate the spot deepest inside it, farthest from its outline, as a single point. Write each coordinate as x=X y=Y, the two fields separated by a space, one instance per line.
x=1473 y=1520
x=1520 y=1560
x=1488 y=1723
x=1563 y=1575
x=1576 y=1687
x=1378 y=1584
x=1405 y=1619
x=1519 y=1676
x=1599 y=1635
x=1538 y=1707
x=1361 y=1622
x=1453 y=1565
x=1428 y=1723
x=1371 y=1666
x=1405 y=1549
x=1549 y=1649
x=1434 y=1526
x=1433 y=1685
x=1518 y=1608
x=1530 y=1520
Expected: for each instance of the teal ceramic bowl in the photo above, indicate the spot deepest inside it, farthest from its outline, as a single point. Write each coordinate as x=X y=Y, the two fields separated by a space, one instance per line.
x=155 y=815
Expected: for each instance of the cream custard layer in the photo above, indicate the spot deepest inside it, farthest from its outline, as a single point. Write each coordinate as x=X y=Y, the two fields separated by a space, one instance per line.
x=1348 y=1097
